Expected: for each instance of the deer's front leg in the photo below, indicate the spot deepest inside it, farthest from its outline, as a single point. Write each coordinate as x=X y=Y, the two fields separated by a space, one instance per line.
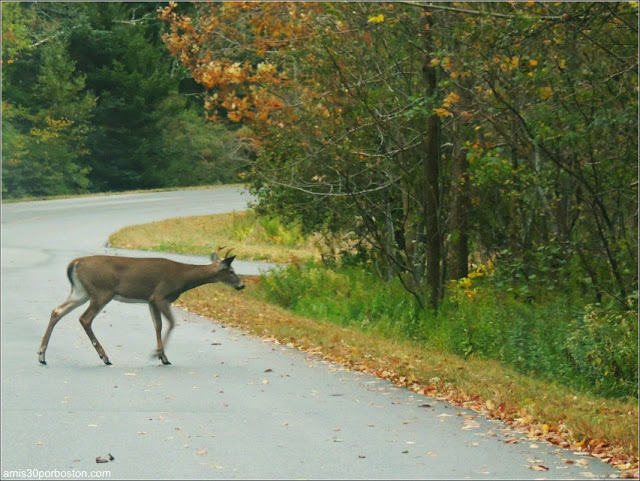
x=157 y=322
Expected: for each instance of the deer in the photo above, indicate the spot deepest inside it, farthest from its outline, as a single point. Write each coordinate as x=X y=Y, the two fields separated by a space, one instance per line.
x=159 y=282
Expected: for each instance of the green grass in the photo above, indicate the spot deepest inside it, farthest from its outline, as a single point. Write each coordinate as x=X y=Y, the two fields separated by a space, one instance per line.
x=584 y=347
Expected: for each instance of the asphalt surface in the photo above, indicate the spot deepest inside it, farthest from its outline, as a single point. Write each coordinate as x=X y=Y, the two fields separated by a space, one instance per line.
x=231 y=406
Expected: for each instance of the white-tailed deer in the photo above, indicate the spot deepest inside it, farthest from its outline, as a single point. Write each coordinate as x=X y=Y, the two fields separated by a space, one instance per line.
x=156 y=281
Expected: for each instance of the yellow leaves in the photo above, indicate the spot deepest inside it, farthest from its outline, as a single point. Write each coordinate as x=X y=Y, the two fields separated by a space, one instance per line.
x=449 y=100
x=466 y=286
x=53 y=128
x=508 y=64
x=323 y=110
x=266 y=67
x=533 y=62
x=58 y=124
x=376 y=19
x=545 y=93
x=234 y=73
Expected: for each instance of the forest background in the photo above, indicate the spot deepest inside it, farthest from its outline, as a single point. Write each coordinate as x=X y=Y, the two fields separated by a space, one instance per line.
x=480 y=159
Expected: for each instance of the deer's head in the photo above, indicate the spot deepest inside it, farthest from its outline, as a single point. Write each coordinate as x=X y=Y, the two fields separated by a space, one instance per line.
x=225 y=272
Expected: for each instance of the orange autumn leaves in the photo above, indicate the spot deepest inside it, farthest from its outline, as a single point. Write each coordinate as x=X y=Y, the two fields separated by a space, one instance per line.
x=216 y=44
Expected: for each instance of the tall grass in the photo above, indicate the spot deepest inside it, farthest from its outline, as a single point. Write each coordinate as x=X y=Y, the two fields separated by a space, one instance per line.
x=581 y=346
x=252 y=237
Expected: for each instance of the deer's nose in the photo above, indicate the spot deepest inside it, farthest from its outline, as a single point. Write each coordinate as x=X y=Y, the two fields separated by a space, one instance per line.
x=239 y=288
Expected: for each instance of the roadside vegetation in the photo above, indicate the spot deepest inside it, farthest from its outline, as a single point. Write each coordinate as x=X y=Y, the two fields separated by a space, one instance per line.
x=559 y=369
x=252 y=237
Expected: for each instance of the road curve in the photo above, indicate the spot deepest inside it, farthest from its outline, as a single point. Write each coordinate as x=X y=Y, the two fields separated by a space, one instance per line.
x=231 y=406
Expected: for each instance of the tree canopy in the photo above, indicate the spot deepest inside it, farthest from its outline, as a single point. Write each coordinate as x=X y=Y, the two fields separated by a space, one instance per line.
x=440 y=134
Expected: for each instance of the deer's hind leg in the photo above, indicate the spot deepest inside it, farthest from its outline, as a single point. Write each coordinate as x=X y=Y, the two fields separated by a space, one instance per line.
x=77 y=297
x=87 y=318
x=157 y=322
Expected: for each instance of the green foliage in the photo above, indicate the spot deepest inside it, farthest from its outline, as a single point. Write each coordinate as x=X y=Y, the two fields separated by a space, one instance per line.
x=585 y=347
x=266 y=230
x=92 y=101
x=603 y=344
x=192 y=151
x=44 y=140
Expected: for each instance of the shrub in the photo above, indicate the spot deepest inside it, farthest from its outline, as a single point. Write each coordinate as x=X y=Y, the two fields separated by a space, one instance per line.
x=603 y=346
x=589 y=348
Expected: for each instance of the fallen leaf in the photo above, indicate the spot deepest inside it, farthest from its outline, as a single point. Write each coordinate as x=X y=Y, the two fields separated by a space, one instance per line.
x=511 y=440
x=141 y=432
x=106 y=459
x=629 y=474
x=265 y=381
x=39 y=443
x=533 y=446
x=268 y=370
x=539 y=467
x=201 y=452
x=470 y=424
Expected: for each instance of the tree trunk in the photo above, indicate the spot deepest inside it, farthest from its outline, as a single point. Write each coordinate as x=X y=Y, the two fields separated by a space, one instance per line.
x=459 y=213
x=431 y=200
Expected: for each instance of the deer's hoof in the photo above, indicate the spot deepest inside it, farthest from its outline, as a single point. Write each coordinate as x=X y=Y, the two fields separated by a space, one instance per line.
x=107 y=362
x=165 y=361
x=43 y=362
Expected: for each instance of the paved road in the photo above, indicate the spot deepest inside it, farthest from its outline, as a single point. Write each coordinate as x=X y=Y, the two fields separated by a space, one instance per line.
x=230 y=406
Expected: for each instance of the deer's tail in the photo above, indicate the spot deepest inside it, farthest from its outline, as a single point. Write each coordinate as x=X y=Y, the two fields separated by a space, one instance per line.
x=70 y=269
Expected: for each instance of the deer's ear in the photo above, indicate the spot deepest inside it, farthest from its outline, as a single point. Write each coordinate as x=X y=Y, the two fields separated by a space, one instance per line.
x=227 y=262
x=214 y=257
